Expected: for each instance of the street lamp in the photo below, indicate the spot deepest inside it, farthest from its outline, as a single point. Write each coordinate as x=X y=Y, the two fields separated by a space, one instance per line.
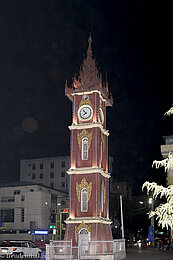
x=122 y=222
x=151 y=203
x=47 y=215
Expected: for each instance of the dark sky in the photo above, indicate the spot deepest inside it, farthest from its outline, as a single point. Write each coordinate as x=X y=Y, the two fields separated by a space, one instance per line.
x=42 y=43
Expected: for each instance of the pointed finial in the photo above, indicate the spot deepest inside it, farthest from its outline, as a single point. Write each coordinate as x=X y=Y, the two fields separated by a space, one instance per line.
x=66 y=85
x=89 y=44
x=107 y=90
x=90 y=39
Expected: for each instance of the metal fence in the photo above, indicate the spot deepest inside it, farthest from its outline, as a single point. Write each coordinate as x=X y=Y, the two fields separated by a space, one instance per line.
x=91 y=250
x=119 y=245
x=119 y=249
x=59 y=249
x=94 y=248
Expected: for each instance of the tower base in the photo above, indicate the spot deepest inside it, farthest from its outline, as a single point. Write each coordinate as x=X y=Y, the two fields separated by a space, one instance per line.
x=92 y=236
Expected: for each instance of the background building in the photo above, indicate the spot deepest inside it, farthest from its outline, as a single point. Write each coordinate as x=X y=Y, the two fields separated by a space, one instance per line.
x=121 y=188
x=165 y=150
x=35 y=201
x=48 y=171
x=26 y=207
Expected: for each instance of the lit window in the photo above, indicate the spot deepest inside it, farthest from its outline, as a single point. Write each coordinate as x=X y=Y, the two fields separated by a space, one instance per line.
x=85 y=148
x=84 y=200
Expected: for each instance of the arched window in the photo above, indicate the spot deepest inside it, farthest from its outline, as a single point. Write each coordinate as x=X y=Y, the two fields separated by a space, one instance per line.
x=85 y=148
x=83 y=231
x=83 y=239
x=84 y=200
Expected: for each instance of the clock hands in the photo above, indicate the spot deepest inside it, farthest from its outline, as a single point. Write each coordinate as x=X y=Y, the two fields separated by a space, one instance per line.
x=84 y=112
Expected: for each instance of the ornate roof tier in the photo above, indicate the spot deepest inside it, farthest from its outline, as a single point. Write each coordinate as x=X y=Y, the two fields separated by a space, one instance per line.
x=89 y=79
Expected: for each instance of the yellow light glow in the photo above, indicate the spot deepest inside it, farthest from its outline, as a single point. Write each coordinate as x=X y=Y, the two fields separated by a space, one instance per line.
x=73 y=166
x=75 y=119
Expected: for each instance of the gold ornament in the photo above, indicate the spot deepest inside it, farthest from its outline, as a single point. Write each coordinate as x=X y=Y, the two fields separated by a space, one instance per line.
x=85 y=101
x=83 y=134
x=84 y=184
x=81 y=226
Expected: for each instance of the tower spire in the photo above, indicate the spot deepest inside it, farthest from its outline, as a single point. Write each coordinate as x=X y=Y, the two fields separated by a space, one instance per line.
x=89 y=51
x=89 y=77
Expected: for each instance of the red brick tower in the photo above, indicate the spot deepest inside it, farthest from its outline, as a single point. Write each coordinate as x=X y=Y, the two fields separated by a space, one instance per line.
x=89 y=177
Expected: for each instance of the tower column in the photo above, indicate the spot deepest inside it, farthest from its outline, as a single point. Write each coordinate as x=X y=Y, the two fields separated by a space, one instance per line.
x=89 y=178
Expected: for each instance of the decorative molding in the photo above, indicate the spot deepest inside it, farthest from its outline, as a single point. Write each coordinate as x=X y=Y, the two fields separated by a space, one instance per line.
x=88 y=220
x=90 y=92
x=88 y=170
x=83 y=184
x=83 y=134
x=89 y=126
x=81 y=226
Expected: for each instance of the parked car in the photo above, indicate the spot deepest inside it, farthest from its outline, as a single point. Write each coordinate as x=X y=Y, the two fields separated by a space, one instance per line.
x=19 y=249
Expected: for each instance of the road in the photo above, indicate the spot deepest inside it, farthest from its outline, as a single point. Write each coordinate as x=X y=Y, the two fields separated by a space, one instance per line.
x=149 y=254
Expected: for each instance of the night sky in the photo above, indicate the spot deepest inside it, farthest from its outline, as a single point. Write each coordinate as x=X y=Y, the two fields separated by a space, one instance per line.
x=43 y=43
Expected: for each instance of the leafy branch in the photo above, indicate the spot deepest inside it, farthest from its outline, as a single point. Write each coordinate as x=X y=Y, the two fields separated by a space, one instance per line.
x=166 y=163
x=164 y=212
x=169 y=112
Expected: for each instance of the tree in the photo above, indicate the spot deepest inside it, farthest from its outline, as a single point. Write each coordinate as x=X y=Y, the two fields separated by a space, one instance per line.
x=164 y=212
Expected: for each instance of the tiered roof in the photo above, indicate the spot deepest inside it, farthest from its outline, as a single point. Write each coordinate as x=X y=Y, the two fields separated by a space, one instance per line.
x=89 y=79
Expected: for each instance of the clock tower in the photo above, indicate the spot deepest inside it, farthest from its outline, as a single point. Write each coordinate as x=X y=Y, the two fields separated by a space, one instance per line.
x=88 y=175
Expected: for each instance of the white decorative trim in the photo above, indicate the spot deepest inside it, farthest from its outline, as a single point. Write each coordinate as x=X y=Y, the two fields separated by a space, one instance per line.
x=101 y=116
x=88 y=170
x=89 y=92
x=89 y=125
x=88 y=220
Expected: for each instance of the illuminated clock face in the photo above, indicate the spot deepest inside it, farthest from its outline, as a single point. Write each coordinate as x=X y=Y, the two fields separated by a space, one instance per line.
x=101 y=116
x=85 y=112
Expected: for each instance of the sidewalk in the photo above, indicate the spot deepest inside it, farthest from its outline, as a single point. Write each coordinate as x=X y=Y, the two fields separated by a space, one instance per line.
x=149 y=254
